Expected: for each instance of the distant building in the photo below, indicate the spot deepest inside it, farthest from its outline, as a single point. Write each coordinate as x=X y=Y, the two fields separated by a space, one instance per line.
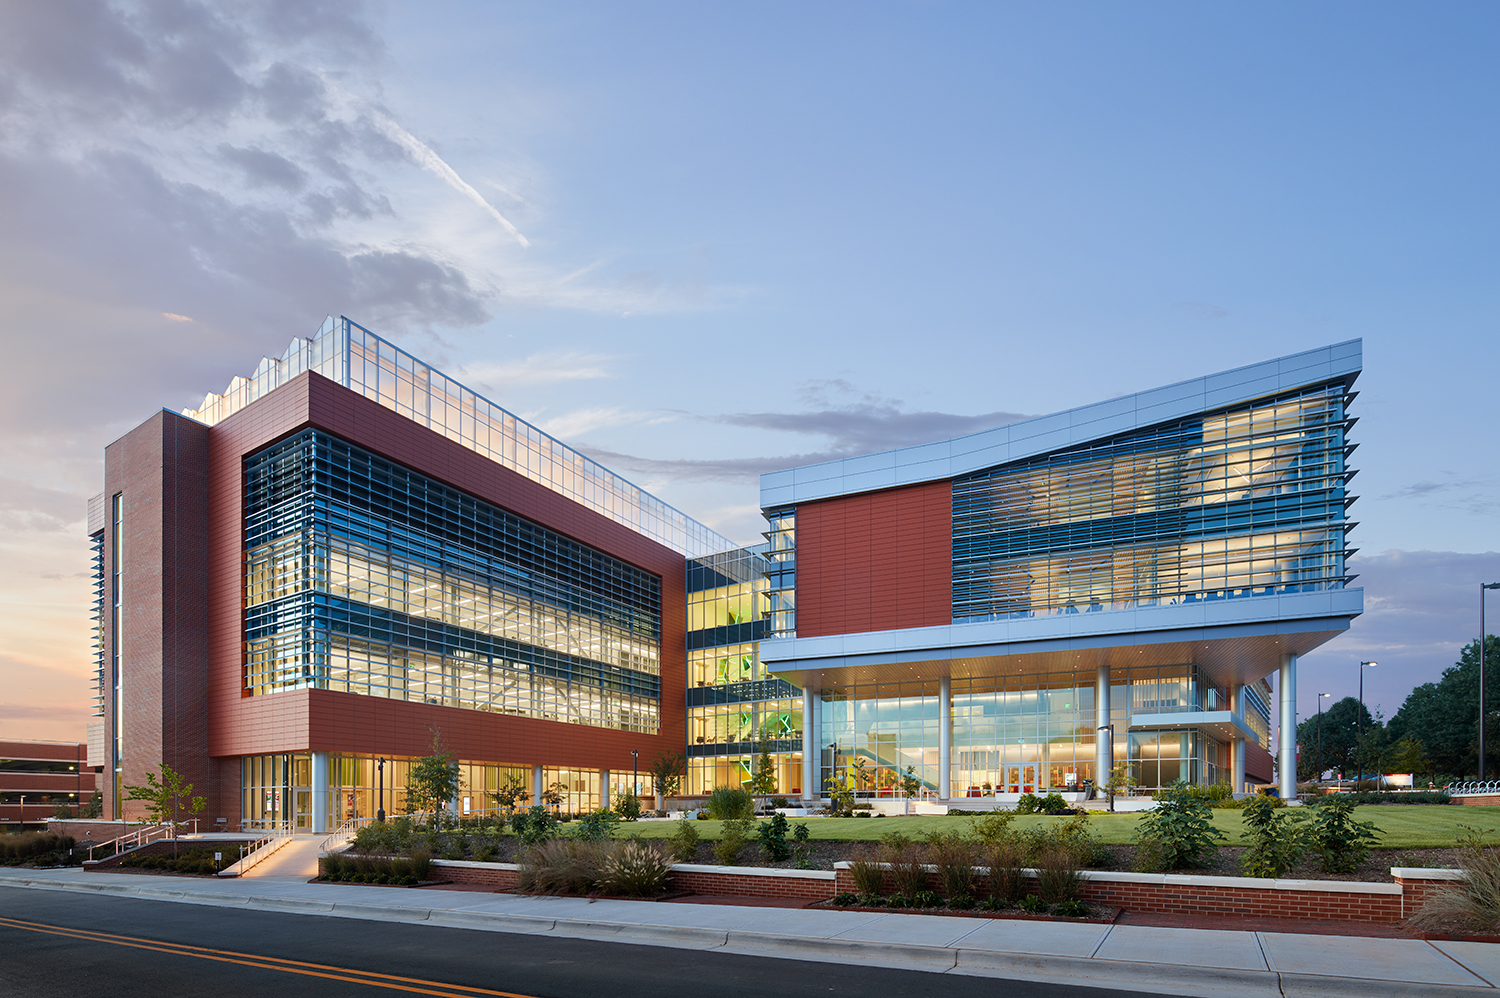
x=38 y=776
x=348 y=553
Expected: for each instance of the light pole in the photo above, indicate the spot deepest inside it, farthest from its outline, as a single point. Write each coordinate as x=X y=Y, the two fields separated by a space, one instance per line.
x=635 y=768
x=380 y=806
x=1482 y=702
x=1321 y=761
x=1359 y=742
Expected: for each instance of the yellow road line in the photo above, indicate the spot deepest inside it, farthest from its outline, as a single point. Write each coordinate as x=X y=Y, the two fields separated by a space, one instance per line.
x=391 y=981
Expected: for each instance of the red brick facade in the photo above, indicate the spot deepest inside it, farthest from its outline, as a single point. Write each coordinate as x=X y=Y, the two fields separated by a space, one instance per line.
x=876 y=561
x=41 y=789
x=185 y=698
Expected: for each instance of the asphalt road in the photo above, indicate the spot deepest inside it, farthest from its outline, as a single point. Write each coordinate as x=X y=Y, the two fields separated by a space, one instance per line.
x=58 y=945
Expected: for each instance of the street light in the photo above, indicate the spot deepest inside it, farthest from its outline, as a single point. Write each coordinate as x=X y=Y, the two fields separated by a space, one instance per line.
x=1361 y=717
x=635 y=767
x=1321 y=760
x=380 y=807
x=1482 y=587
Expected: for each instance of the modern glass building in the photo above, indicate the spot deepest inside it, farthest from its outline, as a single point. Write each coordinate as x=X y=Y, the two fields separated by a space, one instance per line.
x=1021 y=609
x=305 y=582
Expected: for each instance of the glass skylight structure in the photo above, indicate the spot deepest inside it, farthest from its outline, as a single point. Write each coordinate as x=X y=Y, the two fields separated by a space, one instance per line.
x=356 y=358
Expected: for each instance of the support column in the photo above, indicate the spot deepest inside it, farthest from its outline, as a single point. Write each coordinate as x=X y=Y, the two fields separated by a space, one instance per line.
x=1237 y=706
x=1288 y=761
x=536 y=785
x=604 y=791
x=945 y=738
x=1104 y=742
x=810 y=788
x=320 y=793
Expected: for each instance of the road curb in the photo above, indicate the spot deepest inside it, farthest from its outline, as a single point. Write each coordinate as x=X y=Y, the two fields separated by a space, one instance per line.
x=1111 y=974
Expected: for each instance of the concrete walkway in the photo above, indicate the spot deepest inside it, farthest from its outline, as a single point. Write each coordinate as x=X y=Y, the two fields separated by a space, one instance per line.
x=1133 y=957
x=297 y=858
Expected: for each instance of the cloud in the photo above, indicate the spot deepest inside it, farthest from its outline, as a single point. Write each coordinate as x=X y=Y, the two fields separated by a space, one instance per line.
x=25 y=506
x=581 y=421
x=537 y=369
x=1467 y=495
x=429 y=160
x=868 y=423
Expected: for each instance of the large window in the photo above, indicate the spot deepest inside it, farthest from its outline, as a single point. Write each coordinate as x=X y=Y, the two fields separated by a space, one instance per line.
x=1245 y=502
x=365 y=577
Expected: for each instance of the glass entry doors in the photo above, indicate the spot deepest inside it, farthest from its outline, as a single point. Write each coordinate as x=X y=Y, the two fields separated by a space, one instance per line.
x=1022 y=779
x=277 y=791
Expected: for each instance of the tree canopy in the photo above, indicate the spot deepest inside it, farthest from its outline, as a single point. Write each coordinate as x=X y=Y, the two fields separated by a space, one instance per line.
x=1340 y=725
x=1443 y=717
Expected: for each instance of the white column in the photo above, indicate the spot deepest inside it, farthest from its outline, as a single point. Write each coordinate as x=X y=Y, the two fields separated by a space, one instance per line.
x=536 y=785
x=1237 y=705
x=945 y=738
x=604 y=793
x=320 y=793
x=810 y=753
x=1288 y=762
x=1104 y=745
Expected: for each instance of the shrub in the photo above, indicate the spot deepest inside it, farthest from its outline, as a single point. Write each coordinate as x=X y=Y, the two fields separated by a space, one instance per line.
x=730 y=803
x=845 y=899
x=954 y=857
x=780 y=802
x=627 y=806
x=772 y=835
x=907 y=864
x=992 y=827
x=33 y=847
x=561 y=866
x=1028 y=804
x=898 y=901
x=1058 y=876
x=731 y=840
x=1032 y=903
x=872 y=901
x=534 y=825
x=867 y=874
x=1076 y=835
x=1472 y=904
x=1072 y=909
x=421 y=862
x=1006 y=860
x=961 y=902
x=1277 y=840
x=925 y=899
x=596 y=826
x=636 y=869
x=1342 y=842
x=1178 y=832
x=684 y=842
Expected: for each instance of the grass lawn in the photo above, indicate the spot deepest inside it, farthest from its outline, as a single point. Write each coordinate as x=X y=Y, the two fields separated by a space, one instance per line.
x=1402 y=826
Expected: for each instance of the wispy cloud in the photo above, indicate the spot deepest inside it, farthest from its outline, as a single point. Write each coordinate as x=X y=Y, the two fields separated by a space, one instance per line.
x=430 y=160
x=1468 y=495
x=537 y=369
x=568 y=425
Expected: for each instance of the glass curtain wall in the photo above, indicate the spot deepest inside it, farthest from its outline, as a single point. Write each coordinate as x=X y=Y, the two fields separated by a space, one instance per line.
x=1245 y=502
x=736 y=712
x=1014 y=734
x=365 y=577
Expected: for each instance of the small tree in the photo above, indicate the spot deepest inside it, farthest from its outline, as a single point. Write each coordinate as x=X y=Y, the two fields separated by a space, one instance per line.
x=554 y=795
x=511 y=795
x=433 y=780
x=861 y=774
x=911 y=784
x=1120 y=781
x=1409 y=756
x=61 y=809
x=764 y=780
x=666 y=775
x=167 y=798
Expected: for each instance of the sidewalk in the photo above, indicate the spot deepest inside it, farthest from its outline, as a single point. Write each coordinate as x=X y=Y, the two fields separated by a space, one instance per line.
x=1178 y=961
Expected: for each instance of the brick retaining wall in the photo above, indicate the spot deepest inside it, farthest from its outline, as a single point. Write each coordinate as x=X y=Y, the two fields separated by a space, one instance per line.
x=1316 y=900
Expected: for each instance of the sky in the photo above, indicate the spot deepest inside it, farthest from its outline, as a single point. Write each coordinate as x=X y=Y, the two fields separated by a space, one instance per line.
x=700 y=242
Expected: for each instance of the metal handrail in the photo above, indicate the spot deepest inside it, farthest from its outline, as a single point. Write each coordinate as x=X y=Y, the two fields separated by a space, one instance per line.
x=139 y=837
x=344 y=833
x=260 y=849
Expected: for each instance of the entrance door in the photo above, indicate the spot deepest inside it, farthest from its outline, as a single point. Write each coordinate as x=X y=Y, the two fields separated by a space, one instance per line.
x=1028 y=774
x=1014 y=779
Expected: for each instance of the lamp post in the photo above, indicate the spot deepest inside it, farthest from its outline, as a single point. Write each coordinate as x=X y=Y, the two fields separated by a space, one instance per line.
x=1482 y=702
x=635 y=768
x=380 y=806
x=1321 y=765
